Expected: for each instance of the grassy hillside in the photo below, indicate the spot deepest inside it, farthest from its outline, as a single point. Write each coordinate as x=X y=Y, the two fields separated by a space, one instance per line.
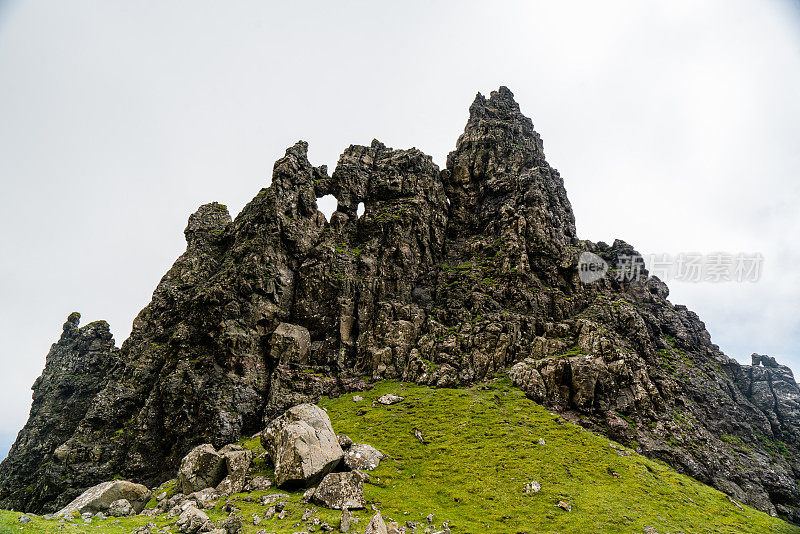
x=483 y=447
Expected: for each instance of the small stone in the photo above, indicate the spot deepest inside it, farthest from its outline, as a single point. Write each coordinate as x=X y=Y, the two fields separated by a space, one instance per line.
x=24 y=519
x=358 y=398
x=389 y=399
x=532 y=487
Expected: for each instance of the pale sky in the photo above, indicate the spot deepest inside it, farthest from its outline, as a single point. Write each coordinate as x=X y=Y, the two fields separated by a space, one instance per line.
x=675 y=125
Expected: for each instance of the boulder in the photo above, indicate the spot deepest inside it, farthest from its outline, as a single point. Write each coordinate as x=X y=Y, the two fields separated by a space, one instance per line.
x=232 y=524
x=363 y=457
x=202 y=468
x=340 y=491
x=98 y=498
x=237 y=461
x=376 y=525
x=191 y=520
x=120 y=508
x=302 y=445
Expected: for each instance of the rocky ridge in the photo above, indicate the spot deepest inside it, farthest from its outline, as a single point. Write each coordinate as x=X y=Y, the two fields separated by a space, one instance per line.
x=447 y=278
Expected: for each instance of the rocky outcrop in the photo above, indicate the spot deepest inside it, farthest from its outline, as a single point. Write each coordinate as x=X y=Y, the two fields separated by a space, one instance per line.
x=76 y=369
x=448 y=277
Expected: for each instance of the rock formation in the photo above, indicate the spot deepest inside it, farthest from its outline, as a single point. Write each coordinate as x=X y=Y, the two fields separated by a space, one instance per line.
x=447 y=278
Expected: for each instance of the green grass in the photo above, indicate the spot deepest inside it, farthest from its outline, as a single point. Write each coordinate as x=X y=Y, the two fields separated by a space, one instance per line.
x=483 y=449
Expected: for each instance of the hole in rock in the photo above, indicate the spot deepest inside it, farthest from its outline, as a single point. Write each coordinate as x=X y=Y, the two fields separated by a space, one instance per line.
x=360 y=210
x=327 y=205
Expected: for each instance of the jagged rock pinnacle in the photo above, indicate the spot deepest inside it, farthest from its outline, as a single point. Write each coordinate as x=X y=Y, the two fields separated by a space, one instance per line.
x=280 y=307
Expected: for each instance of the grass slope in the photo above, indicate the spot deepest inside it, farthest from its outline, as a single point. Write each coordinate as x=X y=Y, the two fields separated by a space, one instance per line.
x=484 y=447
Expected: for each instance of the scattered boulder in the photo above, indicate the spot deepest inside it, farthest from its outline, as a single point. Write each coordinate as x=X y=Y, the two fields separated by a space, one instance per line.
x=344 y=441
x=98 y=498
x=145 y=529
x=232 y=524
x=204 y=498
x=24 y=518
x=340 y=490
x=191 y=520
x=202 y=468
x=390 y=398
x=564 y=506
x=273 y=498
x=303 y=446
x=357 y=398
x=363 y=457
x=121 y=508
x=258 y=483
x=237 y=460
x=376 y=525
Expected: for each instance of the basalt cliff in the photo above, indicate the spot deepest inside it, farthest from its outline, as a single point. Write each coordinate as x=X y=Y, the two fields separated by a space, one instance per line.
x=447 y=278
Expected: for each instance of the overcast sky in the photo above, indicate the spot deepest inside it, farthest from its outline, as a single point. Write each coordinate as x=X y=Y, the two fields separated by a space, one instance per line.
x=675 y=125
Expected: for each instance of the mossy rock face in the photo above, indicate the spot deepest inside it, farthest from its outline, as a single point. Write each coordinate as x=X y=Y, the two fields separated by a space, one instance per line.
x=448 y=277
x=485 y=446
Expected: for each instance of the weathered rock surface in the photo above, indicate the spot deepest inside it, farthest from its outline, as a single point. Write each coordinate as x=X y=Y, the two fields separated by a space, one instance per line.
x=120 y=508
x=202 y=468
x=191 y=521
x=302 y=445
x=447 y=277
x=376 y=525
x=362 y=457
x=237 y=462
x=340 y=491
x=100 y=497
x=76 y=369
